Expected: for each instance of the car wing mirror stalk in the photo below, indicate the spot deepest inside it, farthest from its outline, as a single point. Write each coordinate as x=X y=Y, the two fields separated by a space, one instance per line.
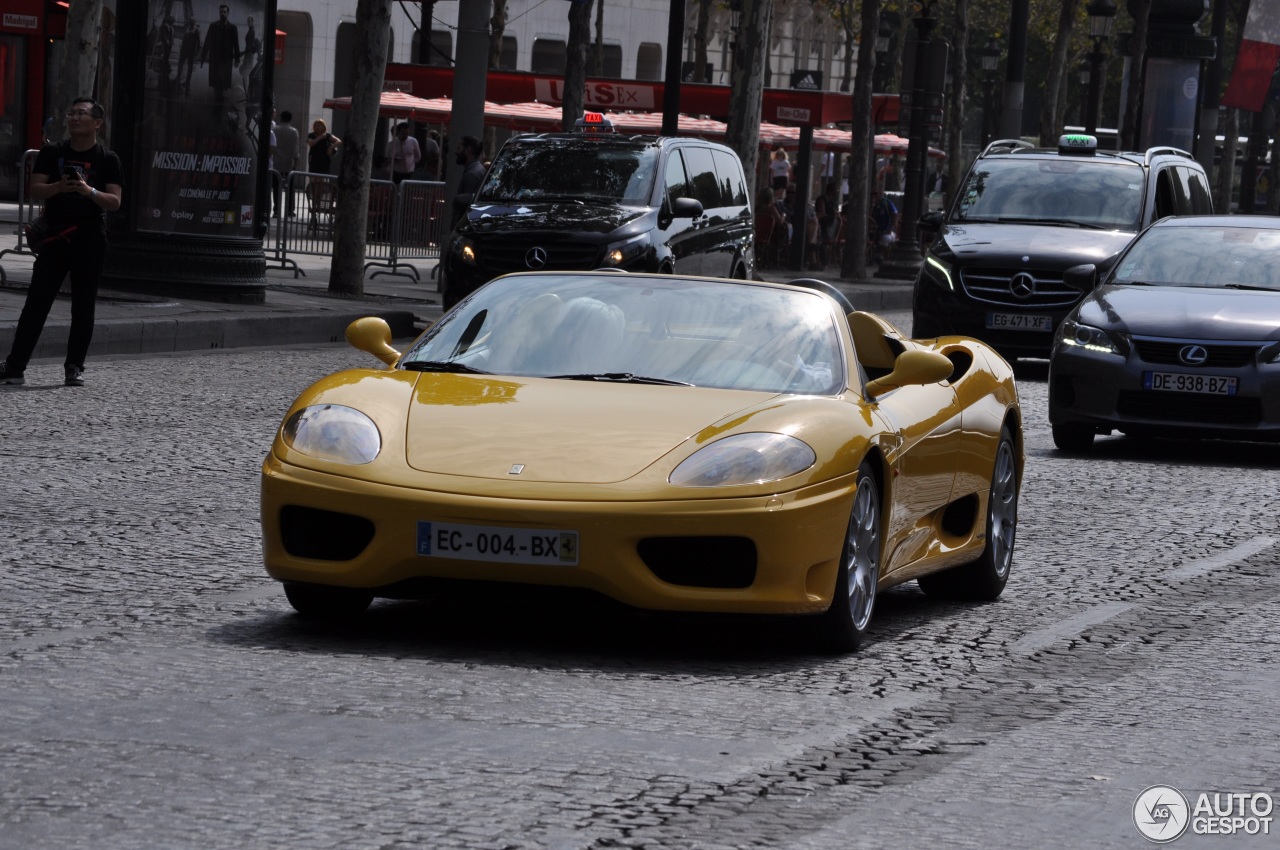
x=373 y=335
x=1083 y=277
x=915 y=366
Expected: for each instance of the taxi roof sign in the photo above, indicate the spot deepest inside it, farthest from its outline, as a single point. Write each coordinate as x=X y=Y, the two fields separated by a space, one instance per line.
x=593 y=122
x=1077 y=144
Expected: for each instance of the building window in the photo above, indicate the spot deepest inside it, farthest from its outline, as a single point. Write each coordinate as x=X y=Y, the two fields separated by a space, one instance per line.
x=548 y=56
x=507 y=59
x=649 y=61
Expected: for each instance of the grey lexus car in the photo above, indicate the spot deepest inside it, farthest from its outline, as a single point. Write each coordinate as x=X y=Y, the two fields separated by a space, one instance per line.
x=1181 y=338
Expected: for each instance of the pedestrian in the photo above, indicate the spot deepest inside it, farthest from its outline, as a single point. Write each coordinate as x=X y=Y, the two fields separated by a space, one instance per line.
x=187 y=56
x=470 y=156
x=323 y=147
x=79 y=181
x=222 y=51
x=287 y=143
x=431 y=156
x=884 y=224
x=779 y=170
x=405 y=153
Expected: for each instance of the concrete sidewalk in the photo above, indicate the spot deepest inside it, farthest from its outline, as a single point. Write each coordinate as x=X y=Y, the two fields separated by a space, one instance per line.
x=296 y=309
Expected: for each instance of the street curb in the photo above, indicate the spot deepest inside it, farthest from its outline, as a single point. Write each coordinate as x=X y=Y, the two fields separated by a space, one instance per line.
x=204 y=333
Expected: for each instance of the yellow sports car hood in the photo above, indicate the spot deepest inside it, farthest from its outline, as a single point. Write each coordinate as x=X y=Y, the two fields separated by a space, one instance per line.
x=559 y=431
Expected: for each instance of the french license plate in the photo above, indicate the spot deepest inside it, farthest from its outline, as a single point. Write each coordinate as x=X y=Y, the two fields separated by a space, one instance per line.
x=1180 y=382
x=498 y=544
x=1019 y=322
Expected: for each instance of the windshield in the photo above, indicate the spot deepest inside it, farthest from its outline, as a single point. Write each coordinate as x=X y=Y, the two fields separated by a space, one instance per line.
x=1084 y=192
x=636 y=329
x=1204 y=256
x=588 y=170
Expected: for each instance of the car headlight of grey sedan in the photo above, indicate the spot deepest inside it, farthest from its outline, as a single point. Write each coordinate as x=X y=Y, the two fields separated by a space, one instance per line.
x=333 y=432
x=1071 y=332
x=744 y=459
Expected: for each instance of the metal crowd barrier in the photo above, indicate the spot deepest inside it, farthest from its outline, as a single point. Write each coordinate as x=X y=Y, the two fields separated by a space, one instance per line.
x=26 y=208
x=406 y=221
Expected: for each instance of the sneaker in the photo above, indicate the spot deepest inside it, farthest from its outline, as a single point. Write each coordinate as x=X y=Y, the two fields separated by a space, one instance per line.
x=75 y=376
x=10 y=376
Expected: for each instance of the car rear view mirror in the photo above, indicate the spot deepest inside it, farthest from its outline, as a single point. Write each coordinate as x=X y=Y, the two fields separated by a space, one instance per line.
x=686 y=208
x=1082 y=277
x=915 y=366
x=373 y=335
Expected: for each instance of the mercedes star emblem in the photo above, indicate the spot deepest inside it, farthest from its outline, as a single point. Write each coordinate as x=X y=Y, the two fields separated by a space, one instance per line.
x=536 y=258
x=1023 y=285
x=1193 y=355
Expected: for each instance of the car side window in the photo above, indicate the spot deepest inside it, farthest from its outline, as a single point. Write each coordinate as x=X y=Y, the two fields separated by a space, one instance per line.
x=732 y=181
x=1197 y=191
x=677 y=182
x=1166 y=195
x=702 y=176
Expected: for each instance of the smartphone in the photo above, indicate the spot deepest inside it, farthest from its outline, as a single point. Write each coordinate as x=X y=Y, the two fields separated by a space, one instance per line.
x=73 y=171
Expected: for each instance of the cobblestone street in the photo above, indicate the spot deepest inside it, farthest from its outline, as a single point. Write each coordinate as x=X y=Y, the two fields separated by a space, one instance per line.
x=160 y=692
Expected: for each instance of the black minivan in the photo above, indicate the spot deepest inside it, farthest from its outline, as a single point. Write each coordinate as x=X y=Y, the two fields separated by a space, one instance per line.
x=591 y=200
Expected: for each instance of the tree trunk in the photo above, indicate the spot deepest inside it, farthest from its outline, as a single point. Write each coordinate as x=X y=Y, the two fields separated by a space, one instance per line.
x=575 y=66
x=700 y=41
x=853 y=265
x=79 y=66
x=1051 y=105
x=597 y=53
x=1140 y=9
x=1227 y=164
x=747 y=83
x=372 y=40
x=497 y=26
x=955 y=126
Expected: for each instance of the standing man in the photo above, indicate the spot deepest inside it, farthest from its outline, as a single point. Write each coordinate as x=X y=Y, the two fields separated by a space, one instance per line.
x=287 y=145
x=405 y=154
x=431 y=156
x=222 y=51
x=79 y=181
x=187 y=53
x=469 y=156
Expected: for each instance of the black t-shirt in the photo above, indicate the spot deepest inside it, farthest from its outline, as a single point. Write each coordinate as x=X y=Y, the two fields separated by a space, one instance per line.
x=101 y=168
x=318 y=159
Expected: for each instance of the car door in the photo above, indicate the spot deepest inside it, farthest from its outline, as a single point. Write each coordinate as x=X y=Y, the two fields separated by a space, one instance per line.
x=737 y=230
x=681 y=235
x=706 y=188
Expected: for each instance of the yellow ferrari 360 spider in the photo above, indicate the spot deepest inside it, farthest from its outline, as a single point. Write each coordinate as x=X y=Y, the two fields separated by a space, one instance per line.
x=675 y=443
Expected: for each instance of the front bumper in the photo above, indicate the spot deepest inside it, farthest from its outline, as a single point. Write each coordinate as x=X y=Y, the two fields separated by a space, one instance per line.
x=1106 y=391
x=940 y=312
x=798 y=538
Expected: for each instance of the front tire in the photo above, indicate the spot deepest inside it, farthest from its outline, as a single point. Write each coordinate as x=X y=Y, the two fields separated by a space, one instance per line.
x=325 y=603
x=844 y=625
x=1073 y=438
x=985 y=578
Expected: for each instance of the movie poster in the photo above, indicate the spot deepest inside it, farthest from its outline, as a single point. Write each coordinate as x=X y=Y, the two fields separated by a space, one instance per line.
x=197 y=167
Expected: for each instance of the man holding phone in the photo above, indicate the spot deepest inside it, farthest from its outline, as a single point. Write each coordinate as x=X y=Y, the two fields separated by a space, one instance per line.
x=79 y=182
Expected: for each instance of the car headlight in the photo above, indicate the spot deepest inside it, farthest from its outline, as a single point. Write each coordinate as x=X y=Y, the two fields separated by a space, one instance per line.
x=333 y=432
x=621 y=253
x=465 y=250
x=1071 y=332
x=744 y=459
x=938 y=272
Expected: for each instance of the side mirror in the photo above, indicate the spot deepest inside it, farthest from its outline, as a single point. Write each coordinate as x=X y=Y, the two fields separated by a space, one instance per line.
x=686 y=208
x=373 y=335
x=464 y=200
x=1083 y=277
x=931 y=220
x=914 y=367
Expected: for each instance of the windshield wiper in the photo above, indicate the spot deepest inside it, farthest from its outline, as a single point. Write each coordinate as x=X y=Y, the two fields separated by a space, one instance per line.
x=620 y=378
x=1249 y=287
x=442 y=366
x=1062 y=222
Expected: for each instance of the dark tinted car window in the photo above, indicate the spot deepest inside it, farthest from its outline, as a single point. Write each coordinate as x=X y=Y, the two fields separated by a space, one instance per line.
x=1087 y=191
x=677 y=181
x=733 y=189
x=592 y=169
x=1201 y=203
x=702 y=175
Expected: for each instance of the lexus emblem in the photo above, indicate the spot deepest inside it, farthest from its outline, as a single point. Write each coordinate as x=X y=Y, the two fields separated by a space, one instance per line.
x=536 y=258
x=1023 y=285
x=1193 y=355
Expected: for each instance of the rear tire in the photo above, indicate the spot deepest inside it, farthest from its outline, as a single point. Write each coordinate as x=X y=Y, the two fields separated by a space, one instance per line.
x=1073 y=438
x=985 y=577
x=843 y=626
x=325 y=603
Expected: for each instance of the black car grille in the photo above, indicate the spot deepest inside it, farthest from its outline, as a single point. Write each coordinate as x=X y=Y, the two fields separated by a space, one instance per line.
x=511 y=253
x=1196 y=408
x=995 y=286
x=1221 y=356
